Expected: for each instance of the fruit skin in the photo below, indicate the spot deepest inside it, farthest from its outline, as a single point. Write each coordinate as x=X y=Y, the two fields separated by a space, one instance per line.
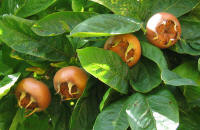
x=123 y=41
x=73 y=75
x=163 y=25
x=37 y=89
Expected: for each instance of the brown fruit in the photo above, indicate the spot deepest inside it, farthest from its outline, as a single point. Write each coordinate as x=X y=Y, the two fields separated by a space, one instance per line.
x=70 y=82
x=163 y=30
x=33 y=95
x=127 y=46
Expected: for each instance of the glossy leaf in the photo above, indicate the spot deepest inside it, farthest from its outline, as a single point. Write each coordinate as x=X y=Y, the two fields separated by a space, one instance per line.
x=199 y=64
x=7 y=82
x=145 y=76
x=109 y=96
x=189 y=119
x=5 y=69
x=140 y=9
x=32 y=123
x=11 y=6
x=105 y=65
x=155 y=54
x=189 y=70
x=105 y=25
x=86 y=108
x=78 y=6
x=113 y=117
x=164 y=109
x=59 y=22
x=172 y=78
x=33 y=6
x=139 y=114
x=8 y=108
x=25 y=41
x=157 y=111
x=190 y=42
x=21 y=56
x=59 y=113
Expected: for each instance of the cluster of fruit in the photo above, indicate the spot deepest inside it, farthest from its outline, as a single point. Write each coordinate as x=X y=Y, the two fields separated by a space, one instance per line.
x=163 y=30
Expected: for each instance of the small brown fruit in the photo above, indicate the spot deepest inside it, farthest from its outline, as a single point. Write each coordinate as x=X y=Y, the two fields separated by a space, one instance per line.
x=127 y=46
x=70 y=82
x=33 y=95
x=163 y=30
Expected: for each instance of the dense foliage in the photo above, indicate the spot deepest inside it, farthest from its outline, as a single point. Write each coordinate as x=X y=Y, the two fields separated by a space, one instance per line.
x=162 y=91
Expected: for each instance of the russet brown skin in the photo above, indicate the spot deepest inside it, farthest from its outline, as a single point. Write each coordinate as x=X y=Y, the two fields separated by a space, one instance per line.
x=163 y=30
x=70 y=74
x=119 y=44
x=37 y=89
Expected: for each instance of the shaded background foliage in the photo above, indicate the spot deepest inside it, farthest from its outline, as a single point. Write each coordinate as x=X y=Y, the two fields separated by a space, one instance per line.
x=162 y=91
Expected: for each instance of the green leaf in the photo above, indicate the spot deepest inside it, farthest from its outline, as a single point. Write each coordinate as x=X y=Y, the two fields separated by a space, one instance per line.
x=7 y=82
x=78 y=5
x=8 y=107
x=155 y=54
x=196 y=12
x=59 y=22
x=32 y=7
x=173 y=79
x=109 y=97
x=199 y=64
x=11 y=6
x=189 y=119
x=189 y=70
x=141 y=9
x=86 y=109
x=18 y=119
x=164 y=109
x=157 y=111
x=105 y=25
x=4 y=68
x=113 y=117
x=77 y=43
x=59 y=113
x=139 y=114
x=32 y=123
x=105 y=65
x=21 y=56
x=145 y=76
x=25 y=41
x=190 y=41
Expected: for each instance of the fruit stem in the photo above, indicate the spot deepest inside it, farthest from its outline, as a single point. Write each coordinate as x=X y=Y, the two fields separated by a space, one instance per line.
x=34 y=110
x=22 y=96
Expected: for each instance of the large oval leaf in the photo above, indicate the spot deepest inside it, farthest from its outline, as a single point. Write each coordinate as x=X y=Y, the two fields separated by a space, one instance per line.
x=190 y=42
x=105 y=25
x=105 y=65
x=4 y=68
x=159 y=111
x=11 y=6
x=155 y=54
x=8 y=108
x=145 y=76
x=86 y=108
x=113 y=117
x=189 y=70
x=16 y=33
x=59 y=23
x=141 y=9
x=7 y=82
x=31 y=7
x=171 y=78
x=109 y=96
